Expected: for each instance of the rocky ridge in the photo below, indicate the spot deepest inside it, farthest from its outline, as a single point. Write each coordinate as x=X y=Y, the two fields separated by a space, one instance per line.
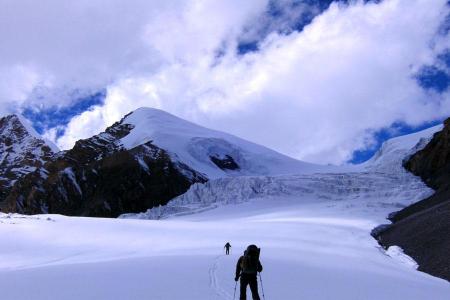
x=99 y=177
x=22 y=151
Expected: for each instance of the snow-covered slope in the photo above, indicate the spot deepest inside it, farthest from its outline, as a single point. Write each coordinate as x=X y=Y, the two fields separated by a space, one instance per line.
x=22 y=150
x=213 y=153
x=393 y=152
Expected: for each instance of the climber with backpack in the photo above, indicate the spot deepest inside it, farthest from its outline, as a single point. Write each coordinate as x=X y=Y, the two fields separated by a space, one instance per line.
x=247 y=268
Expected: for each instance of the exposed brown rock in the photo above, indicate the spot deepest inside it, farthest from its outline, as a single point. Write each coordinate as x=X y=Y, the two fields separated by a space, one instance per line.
x=98 y=177
x=432 y=163
x=423 y=229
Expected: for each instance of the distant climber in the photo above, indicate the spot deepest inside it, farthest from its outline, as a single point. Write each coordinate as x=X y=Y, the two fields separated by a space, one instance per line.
x=247 y=268
x=227 y=248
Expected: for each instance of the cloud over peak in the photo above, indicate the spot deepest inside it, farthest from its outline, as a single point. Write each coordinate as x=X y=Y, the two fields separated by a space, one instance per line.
x=317 y=94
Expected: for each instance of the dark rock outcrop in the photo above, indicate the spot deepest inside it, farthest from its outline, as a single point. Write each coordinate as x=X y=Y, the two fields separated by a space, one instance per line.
x=432 y=163
x=225 y=163
x=423 y=229
x=99 y=177
x=21 y=152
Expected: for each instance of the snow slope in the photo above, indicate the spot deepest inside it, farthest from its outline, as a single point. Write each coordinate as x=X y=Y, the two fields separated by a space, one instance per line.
x=392 y=153
x=310 y=250
x=314 y=230
x=194 y=145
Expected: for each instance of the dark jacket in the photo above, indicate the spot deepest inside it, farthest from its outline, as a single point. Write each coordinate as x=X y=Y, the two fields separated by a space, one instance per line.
x=239 y=268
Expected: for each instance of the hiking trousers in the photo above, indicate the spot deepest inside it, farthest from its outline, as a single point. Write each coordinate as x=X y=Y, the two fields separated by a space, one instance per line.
x=227 y=251
x=252 y=281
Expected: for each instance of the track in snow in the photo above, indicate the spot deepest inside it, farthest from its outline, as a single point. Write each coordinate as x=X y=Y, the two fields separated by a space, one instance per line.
x=214 y=280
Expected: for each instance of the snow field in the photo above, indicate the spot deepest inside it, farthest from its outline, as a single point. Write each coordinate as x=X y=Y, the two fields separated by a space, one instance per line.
x=310 y=250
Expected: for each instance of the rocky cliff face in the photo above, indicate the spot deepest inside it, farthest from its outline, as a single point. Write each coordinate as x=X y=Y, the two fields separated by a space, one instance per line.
x=423 y=229
x=21 y=152
x=432 y=163
x=99 y=177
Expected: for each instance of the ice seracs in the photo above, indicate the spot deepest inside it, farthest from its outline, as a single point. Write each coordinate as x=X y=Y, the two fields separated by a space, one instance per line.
x=379 y=183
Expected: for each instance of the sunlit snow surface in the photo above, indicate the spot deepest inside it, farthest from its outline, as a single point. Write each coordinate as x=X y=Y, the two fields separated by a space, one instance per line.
x=193 y=145
x=314 y=231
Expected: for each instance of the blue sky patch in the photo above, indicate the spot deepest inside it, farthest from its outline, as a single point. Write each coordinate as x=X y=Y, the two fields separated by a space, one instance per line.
x=54 y=117
x=433 y=78
x=246 y=47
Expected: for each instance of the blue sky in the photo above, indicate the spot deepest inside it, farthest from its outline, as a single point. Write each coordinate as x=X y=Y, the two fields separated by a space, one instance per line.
x=322 y=81
x=58 y=117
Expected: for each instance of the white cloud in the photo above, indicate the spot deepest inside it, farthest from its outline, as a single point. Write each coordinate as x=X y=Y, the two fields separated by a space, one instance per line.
x=81 y=44
x=316 y=95
x=16 y=82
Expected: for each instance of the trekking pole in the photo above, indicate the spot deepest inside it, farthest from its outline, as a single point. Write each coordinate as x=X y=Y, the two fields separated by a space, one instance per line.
x=262 y=287
x=234 y=295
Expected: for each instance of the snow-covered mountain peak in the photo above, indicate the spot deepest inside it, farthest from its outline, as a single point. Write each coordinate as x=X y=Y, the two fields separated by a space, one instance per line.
x=31 y=131
x=17 y=137
x=22 y=150
x=214 y=153
x=394 y=151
